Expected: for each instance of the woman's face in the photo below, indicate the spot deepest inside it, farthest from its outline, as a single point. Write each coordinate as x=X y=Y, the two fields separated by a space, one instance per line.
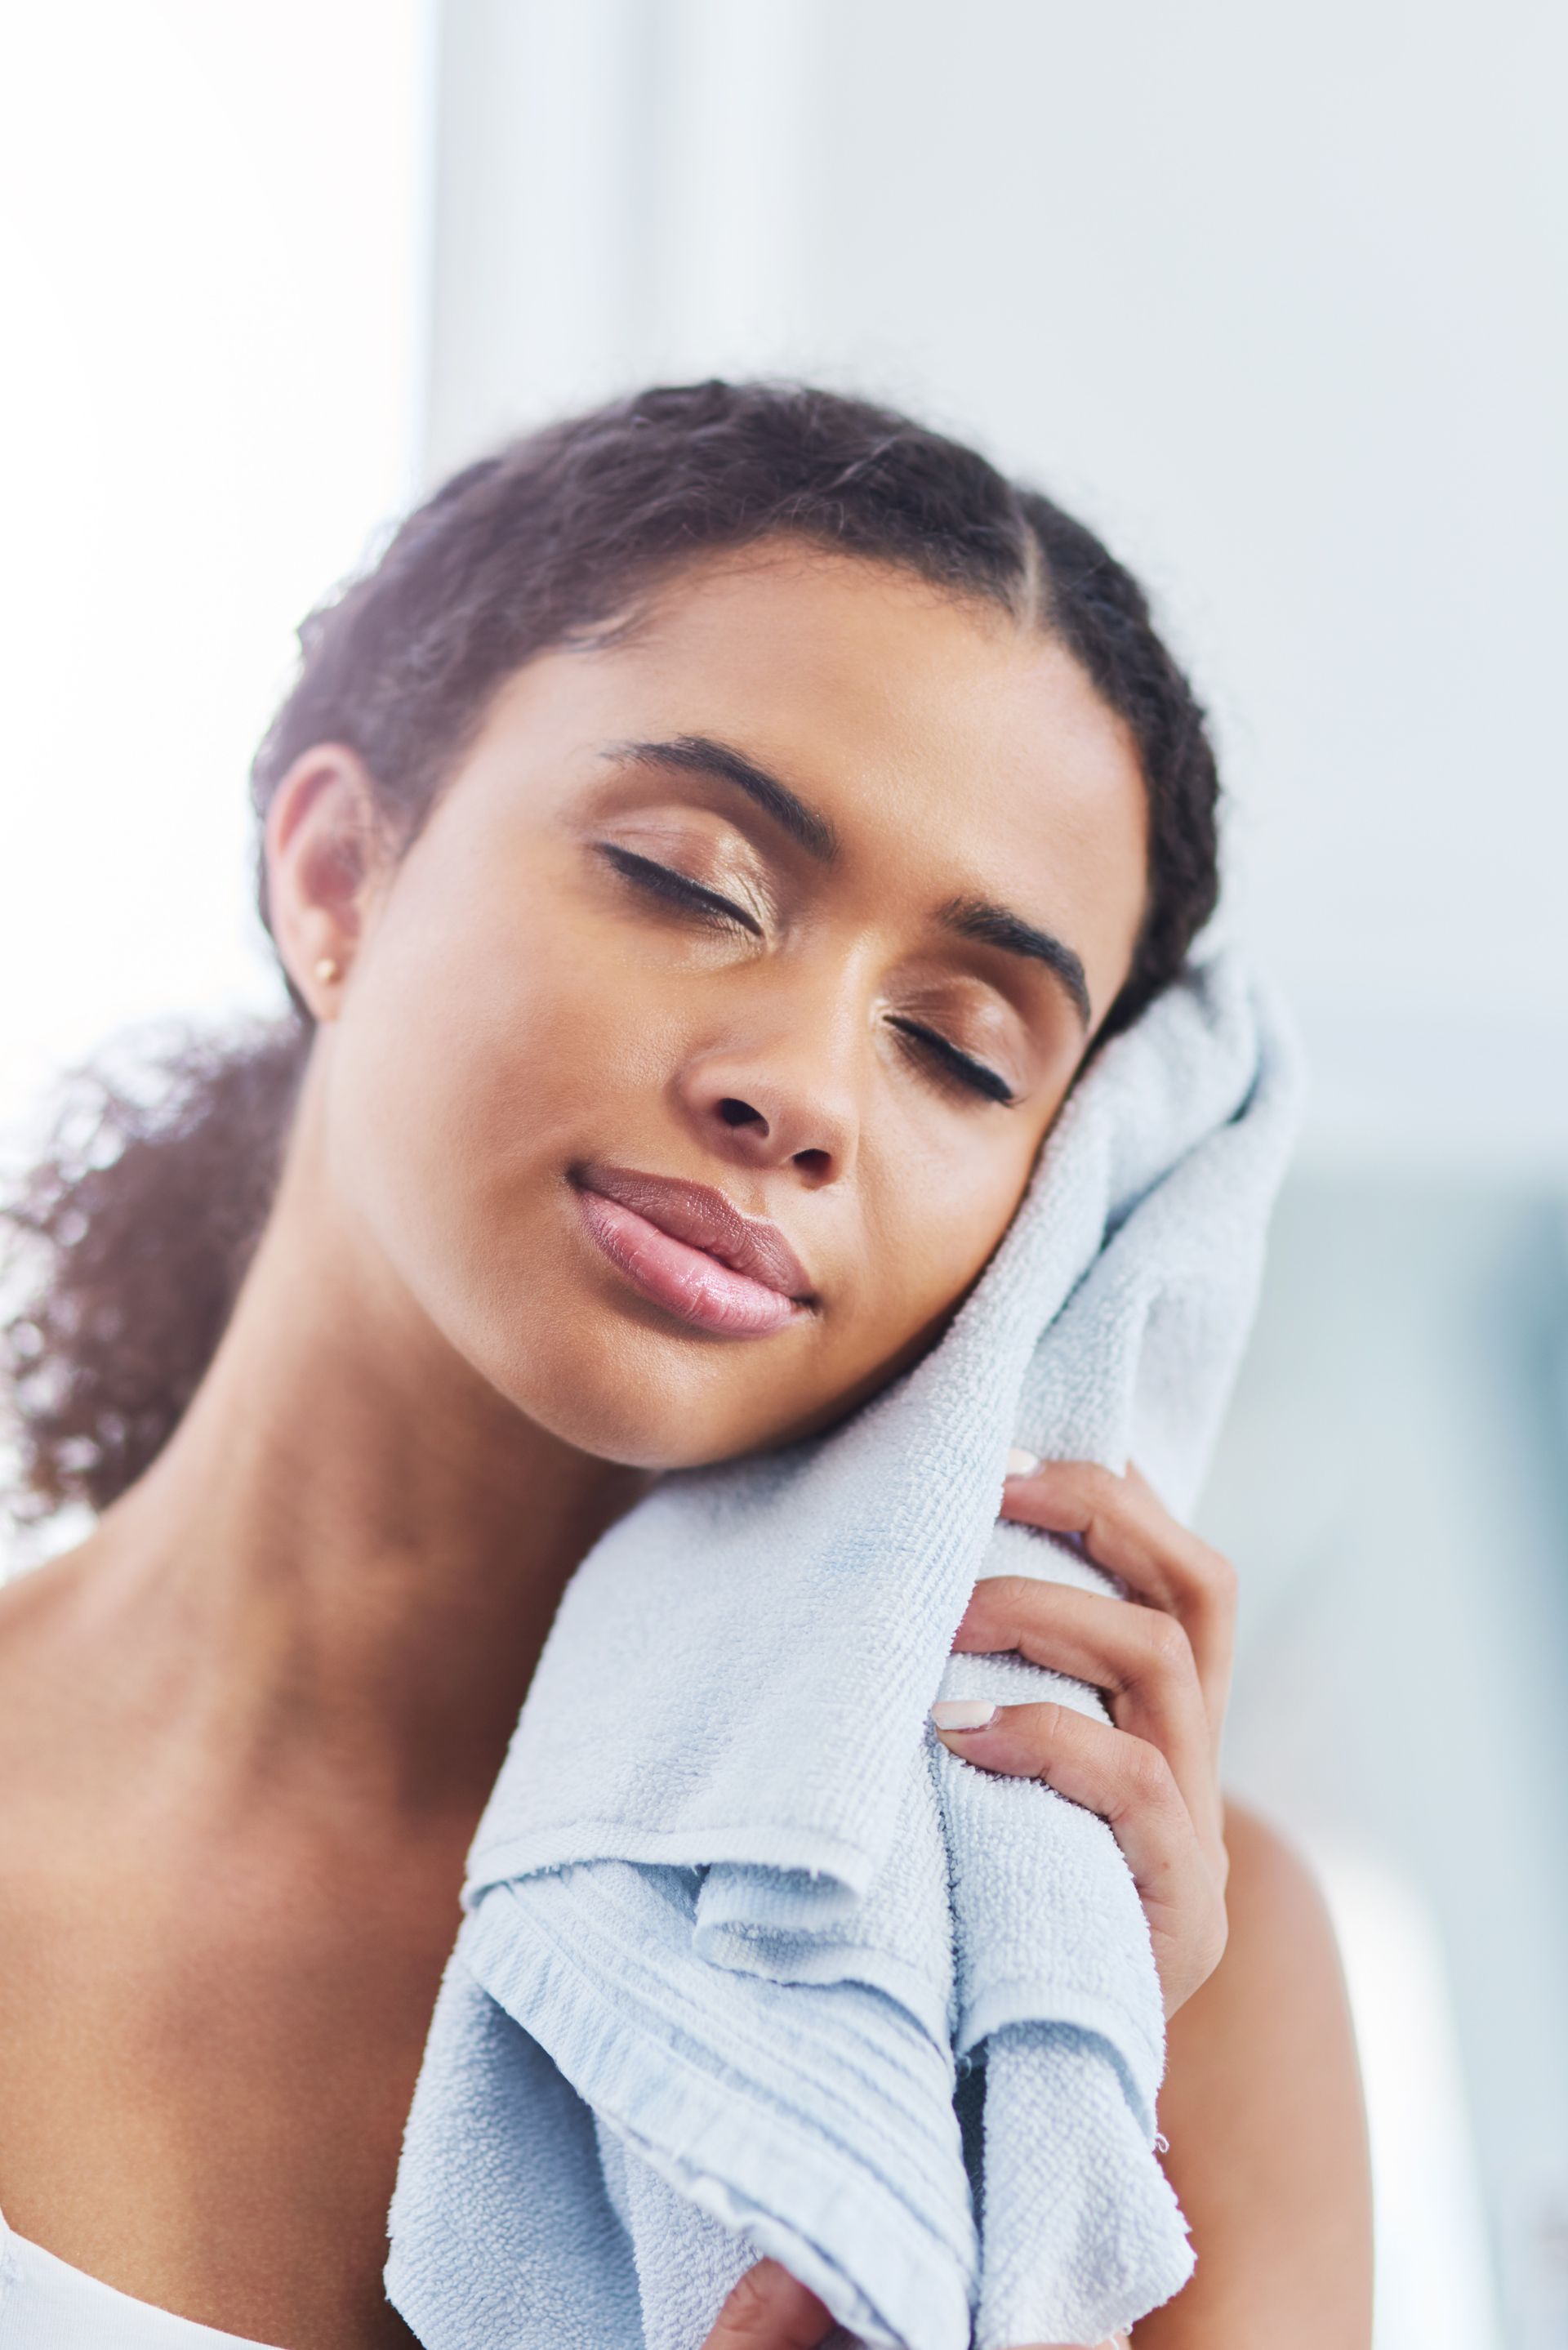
x=693 y=1060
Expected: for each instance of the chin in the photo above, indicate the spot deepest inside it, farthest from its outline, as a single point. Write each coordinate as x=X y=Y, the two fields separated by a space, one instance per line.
x=641 y=1399
x=622 y=1431
x=696 y=1422
x=618 y=1378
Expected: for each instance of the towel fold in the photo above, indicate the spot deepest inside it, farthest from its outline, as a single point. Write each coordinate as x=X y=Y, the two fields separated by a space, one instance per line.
x=749 y=1963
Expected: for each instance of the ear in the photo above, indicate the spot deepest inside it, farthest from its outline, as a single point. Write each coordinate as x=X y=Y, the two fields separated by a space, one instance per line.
x=326 y=852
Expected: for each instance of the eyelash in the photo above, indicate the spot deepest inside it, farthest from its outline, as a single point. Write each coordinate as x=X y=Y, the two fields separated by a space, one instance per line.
x=956 y=1065
x=663 y=881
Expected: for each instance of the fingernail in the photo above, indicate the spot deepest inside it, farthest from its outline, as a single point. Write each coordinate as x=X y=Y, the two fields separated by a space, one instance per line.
x=963 y=1712
x=1021 y=1464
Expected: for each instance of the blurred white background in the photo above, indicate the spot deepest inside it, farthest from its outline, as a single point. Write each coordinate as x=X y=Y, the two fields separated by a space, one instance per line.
x=212 y=231
x=1274 y=298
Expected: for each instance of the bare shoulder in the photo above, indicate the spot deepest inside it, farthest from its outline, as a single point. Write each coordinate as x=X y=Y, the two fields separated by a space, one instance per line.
x=1262 y=2105
x=1279 y=1984
x=35 y=1605
x=34 y=1598
x=1273 y=1899
x=41 y=1700
x=1282 y=1948
x=1267 y=1857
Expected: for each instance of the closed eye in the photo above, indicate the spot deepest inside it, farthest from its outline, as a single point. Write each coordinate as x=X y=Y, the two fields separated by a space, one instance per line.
x=678 y=888
x=656 y=880
x=954 y=1063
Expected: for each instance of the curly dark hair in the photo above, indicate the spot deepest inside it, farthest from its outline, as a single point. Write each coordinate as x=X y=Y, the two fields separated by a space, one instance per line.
x=140 y=1219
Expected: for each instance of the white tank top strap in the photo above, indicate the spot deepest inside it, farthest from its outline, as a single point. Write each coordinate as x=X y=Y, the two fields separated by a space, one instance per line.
x=46 y=2304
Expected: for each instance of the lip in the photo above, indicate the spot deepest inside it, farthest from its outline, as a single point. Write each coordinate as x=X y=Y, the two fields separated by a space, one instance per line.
x=690 y=1250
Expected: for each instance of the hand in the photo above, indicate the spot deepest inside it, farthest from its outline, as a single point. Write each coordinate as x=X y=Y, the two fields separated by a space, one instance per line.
x=771 y=2310
x=1163 y=1664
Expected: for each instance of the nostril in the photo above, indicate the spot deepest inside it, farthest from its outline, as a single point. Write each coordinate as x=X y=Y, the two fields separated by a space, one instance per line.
x=814 y=1163
x=740 y=1113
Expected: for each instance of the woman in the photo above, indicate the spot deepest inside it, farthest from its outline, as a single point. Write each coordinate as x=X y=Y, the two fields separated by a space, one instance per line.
x=701 y=855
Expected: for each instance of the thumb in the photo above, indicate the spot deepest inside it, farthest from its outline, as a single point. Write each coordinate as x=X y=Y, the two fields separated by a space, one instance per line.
x=770 y=2310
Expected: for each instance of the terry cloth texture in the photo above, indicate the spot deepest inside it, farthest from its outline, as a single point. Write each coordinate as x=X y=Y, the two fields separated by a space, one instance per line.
x=749 y=1963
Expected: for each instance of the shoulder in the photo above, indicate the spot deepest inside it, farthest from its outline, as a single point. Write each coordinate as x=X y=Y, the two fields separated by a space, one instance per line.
x=35 y=1602
x=1281 y=1979
x=39 y=1681
x=1272 y=1896
x=1262 y=2105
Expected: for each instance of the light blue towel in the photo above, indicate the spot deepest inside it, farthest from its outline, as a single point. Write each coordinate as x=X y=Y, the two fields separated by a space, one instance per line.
x=749 y=1962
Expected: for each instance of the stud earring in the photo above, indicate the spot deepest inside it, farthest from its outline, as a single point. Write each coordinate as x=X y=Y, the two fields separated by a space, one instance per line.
x=326 y=969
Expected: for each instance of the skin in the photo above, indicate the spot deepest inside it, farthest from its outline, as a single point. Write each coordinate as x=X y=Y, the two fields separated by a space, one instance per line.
x=253 y=1718
x=623 y=1024
x=1262 y=2099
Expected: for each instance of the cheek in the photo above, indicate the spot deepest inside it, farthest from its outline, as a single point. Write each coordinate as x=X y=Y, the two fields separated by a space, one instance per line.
x=466 y=1074
x=931 y=1225
x=489 y=1047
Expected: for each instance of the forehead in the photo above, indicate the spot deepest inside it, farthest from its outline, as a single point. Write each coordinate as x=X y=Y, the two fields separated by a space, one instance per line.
x=941 y=735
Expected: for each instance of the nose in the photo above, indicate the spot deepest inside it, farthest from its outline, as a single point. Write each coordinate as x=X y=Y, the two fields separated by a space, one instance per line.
x=784 y=1099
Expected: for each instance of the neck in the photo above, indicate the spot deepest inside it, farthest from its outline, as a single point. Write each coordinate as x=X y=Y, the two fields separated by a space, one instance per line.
x=340 y=1572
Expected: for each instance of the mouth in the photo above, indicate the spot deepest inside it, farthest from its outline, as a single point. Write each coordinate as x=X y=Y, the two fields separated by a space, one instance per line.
x=689 y=1249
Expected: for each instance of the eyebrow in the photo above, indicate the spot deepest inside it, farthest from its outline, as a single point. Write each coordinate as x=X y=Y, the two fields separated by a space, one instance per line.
x=997 y=926
x=700 y=754
x=969 y=918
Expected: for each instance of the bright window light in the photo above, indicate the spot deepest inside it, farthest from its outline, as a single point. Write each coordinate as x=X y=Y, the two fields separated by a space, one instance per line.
x=213 y=280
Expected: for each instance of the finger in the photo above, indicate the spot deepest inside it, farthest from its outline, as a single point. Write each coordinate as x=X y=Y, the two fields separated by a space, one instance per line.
x=770 y=2310
x=1126 y=1529
x=1130 y=1785
x=1139 y=1658
x=1112 y=2341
